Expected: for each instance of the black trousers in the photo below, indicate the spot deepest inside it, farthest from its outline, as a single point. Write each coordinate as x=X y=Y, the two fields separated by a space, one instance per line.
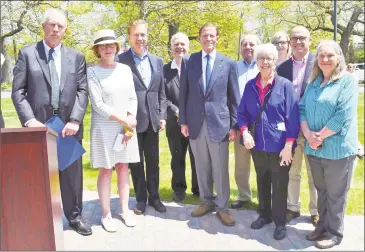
x=271 y=175
x=148 y=151
x=179 y=145
x=71 y=184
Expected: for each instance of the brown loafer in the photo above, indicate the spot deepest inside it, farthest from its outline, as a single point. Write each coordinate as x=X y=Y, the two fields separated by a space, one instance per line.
x=291 y=215
x=202 y=210
x=315 y=219
x=226 y=218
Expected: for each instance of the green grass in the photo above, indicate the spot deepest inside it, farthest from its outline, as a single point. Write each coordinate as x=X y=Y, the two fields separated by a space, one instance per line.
x=355 y=203
x=5 y=86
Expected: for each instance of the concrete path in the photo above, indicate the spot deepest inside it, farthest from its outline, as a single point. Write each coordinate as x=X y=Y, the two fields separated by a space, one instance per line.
x=177 y=230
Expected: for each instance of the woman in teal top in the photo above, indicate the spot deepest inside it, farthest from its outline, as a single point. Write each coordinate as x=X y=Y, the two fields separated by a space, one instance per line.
x=328 y=115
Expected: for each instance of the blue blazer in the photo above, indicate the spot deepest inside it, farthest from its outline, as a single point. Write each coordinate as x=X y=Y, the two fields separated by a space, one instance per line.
x=218 y=106
x=151 y=99
x=285 y=70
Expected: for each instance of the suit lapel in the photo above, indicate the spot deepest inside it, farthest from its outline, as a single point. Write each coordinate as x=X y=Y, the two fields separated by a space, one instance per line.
x=199 y=71
x=215 y=72
x=308 y=69
x=153 y=69
x=40 y=54
x=64 y=66
x=133 y=66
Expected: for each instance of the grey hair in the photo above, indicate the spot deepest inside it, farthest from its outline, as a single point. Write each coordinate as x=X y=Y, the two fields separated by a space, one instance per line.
x=341 y=65
x=51 y=11
x=267 y=49
x=177 y=36
x=247 y=36
x=278 y=35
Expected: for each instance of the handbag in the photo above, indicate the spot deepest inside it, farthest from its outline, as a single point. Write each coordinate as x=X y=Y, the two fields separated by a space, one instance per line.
x=252 y=129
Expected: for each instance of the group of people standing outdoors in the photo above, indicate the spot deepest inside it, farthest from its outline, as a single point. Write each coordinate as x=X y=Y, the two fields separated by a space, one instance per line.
x=279 y=105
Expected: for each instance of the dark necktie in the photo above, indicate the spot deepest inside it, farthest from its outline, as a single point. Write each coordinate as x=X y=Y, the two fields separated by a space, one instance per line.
x=182 y=68
x=54 y=80
x=207 y=73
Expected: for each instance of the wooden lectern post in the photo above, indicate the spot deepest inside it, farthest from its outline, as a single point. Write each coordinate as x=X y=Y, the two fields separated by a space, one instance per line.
x=30 y=203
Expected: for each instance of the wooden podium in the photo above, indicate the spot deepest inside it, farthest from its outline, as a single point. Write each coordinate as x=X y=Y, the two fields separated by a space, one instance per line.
x=30 y=203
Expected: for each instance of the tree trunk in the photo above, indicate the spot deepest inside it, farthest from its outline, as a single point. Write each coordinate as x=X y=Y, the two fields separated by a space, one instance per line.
x=345 y=36
x=173 y=29
x=5 y=74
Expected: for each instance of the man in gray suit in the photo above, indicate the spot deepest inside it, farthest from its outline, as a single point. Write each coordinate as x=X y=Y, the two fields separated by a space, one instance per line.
x=50 y=80
x=148 y=80
x=209 y=97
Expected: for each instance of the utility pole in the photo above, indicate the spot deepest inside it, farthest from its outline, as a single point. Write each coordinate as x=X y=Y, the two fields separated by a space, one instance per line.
x=335 y=19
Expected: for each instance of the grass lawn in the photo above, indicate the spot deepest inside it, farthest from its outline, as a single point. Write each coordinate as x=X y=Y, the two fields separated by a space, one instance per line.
x=355 y=203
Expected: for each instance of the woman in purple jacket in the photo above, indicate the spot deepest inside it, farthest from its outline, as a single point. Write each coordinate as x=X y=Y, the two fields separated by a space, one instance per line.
x=271 y=136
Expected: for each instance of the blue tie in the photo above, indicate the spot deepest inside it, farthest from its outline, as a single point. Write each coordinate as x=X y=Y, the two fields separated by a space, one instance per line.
x=54 y=80
x=208 y=72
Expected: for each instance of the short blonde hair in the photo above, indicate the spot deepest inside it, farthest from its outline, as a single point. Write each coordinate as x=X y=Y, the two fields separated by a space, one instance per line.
x=341 y=65
x=95 y=50
x=135 y=23
x=179 y=35
x=267 y=49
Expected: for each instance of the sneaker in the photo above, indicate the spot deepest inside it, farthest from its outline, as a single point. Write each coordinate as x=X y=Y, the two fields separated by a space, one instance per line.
x=128 y=219
x=108 y=223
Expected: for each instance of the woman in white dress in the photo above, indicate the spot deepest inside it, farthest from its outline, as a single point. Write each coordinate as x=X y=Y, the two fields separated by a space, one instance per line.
x=114 y=108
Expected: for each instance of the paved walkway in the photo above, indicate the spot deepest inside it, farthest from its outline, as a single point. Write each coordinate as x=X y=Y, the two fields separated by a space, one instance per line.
x=177 y=230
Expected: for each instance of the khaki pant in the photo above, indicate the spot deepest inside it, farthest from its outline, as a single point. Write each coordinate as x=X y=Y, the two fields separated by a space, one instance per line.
x=242 y=158
x=295 y=179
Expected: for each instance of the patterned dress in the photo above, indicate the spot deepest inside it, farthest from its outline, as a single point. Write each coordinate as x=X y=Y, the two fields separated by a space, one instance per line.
x=111 y=92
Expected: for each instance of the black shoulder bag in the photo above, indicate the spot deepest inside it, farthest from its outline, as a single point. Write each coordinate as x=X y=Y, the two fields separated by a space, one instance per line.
x=252 y=129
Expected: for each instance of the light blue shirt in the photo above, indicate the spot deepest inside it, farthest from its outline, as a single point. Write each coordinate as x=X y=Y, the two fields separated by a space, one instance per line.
x=213 y=55
x=144 y=67
x=333 y=105
x=246 y=72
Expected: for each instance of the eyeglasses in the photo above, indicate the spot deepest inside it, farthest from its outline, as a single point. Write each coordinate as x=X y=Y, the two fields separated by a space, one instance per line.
x=262 y=59
x=300 y=38
x=328 y=56
x=104 y=46
x=281 y=43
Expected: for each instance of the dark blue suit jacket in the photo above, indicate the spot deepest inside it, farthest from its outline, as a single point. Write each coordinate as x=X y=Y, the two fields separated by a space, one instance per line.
x=151 y=99
x=285 y=70
x=218 y=106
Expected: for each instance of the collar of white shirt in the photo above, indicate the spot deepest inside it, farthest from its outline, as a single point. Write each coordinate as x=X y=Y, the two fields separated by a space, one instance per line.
x=174 y=64
x=57 y=49
x=212 y=54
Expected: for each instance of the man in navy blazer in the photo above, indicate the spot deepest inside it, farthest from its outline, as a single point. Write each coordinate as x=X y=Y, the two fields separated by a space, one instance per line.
x=209 y=96
x=298 y=69
x=148 y=80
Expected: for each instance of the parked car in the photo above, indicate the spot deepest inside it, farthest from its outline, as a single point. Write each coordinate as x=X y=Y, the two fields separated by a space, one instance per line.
x=359 y=71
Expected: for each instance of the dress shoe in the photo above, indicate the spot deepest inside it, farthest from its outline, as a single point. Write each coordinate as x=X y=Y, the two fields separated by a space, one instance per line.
x=291 y=215
x=280 y=232
x=316 y=234
x=237 y=204
x=202 y=210
x=140 y=208
x=226 y=218
x=260 y=222
x=179 y=196
x=157 y=204
x=314 y=219
x=328 y=243
x=80 y=226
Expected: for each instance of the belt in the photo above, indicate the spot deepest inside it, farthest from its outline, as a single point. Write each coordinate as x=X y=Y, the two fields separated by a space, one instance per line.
x=55 y=112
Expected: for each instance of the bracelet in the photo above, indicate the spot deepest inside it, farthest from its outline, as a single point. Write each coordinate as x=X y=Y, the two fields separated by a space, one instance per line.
x=128 y=132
